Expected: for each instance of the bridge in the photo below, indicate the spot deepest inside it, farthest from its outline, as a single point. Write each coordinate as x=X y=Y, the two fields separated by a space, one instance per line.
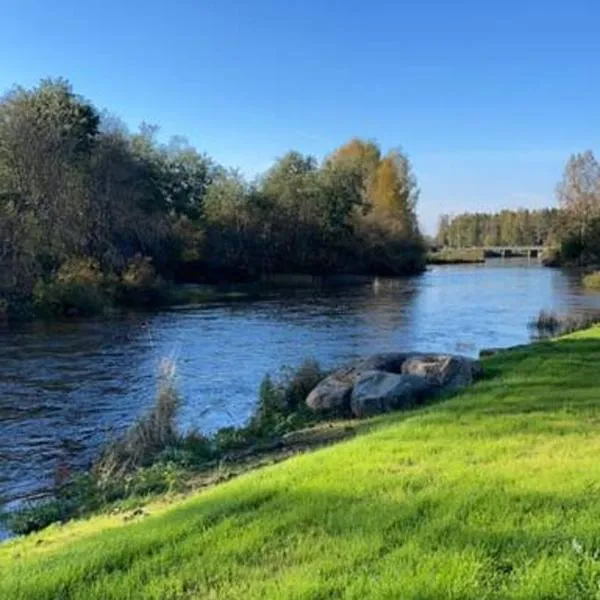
x=508 y=251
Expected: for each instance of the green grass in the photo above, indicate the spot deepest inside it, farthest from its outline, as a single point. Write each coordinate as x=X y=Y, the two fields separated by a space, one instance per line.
x=454 y=256
x=494 y=493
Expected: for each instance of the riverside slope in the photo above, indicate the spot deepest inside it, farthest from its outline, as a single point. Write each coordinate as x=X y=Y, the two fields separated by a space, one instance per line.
x=492 y=493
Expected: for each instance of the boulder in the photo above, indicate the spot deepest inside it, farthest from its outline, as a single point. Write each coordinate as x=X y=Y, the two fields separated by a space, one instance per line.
x=390 y=362
x=446 y=371
x=375 y=392
x=388 y=381
x=333 y=393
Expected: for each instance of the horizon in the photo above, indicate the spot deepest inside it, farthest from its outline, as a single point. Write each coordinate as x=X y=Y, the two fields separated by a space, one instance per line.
x=488 y=103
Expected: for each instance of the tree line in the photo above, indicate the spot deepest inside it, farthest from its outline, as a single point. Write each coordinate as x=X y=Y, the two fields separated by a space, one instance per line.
x=93 y=213
x=505 y=228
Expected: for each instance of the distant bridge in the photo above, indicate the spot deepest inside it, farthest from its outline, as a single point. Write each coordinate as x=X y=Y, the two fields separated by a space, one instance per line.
x=508 y=251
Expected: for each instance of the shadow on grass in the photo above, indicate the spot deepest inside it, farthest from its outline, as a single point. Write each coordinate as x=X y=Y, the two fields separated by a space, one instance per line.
x=278 y=527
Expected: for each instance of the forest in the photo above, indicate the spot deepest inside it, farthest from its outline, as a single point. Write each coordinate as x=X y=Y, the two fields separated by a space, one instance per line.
x=506 y=228
x=93 y=215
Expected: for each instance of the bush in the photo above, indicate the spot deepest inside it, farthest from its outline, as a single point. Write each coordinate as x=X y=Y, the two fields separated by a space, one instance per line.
x=78 y=289
x=36 y=516
x=281 y=403
x=456 y=256
x=592 y=280
x=384 y=251
x=140 y=285
x=572 y=249
x=228 y=439
x=193 y=449
x=150 y=436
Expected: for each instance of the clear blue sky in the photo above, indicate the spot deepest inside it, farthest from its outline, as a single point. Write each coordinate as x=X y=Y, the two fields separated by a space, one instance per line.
x=488 y=98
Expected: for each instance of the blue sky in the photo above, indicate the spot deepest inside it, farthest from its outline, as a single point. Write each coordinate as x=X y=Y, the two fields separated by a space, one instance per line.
x=488 y=98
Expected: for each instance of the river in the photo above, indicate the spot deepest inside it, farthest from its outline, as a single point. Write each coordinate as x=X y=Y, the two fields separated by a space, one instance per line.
x=65 y=388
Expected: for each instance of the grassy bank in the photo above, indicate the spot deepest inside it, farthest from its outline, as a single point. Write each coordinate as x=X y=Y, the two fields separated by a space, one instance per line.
x=491 y=494
x=592 y=281
x=456 y=256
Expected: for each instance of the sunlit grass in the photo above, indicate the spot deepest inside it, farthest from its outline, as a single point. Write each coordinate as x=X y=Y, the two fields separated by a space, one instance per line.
x=452 y=256
x=592 y=281
x=491 y=494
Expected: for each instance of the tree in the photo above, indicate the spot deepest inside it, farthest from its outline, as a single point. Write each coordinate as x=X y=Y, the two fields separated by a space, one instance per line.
x=363 y=154
x=579 y=191
x=47 y=135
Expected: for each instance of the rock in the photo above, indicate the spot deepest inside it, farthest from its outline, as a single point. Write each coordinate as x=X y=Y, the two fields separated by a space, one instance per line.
x=390 y=362
x=444 y=370
x=375 y=392
x=384 y=382
x=333 y=393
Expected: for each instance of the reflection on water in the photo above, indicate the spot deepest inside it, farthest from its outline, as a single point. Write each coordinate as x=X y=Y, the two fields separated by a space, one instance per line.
x=65 y=388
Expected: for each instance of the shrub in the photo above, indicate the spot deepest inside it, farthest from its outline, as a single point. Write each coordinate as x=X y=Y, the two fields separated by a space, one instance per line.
x=228 y=439
x=192 y=450
x=571 y=249
x=36 y=516
x=281 y=402
x=77 y=289
x=151 y=435
x=592 y=281
x=551 y=257
x=456 y=256
x=140 y=285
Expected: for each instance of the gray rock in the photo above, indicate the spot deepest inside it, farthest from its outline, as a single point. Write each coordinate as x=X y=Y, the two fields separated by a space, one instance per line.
x=375 y=392
x=390 y=362
x=384 y=382
x=444 y=370
x=333 y=393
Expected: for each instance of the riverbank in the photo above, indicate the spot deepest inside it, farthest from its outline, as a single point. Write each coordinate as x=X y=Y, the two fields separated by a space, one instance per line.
x=486 y=494
x=456 y=256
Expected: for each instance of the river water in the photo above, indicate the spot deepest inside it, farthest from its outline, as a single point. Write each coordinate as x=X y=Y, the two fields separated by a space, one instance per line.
x=65 y=388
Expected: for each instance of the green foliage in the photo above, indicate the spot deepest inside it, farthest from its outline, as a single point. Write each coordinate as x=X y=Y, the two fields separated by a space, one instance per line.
x=79 y=288
x=551 y=257
x=36 y=516
x=75 y=186
x=489 y=494
x=382 y=250
x=579 y=196
x=281 y=405
x=592 y=280
x=506 y=228
x=151 y=435
x=140 y=285
x=228 y=439
x=454 y=256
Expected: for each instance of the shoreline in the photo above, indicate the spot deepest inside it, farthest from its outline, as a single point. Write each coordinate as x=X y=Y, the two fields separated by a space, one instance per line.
x=422 y=478
x=274 y=448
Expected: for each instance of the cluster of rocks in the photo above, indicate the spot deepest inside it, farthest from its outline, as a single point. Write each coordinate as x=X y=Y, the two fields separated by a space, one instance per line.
x=386 y=382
